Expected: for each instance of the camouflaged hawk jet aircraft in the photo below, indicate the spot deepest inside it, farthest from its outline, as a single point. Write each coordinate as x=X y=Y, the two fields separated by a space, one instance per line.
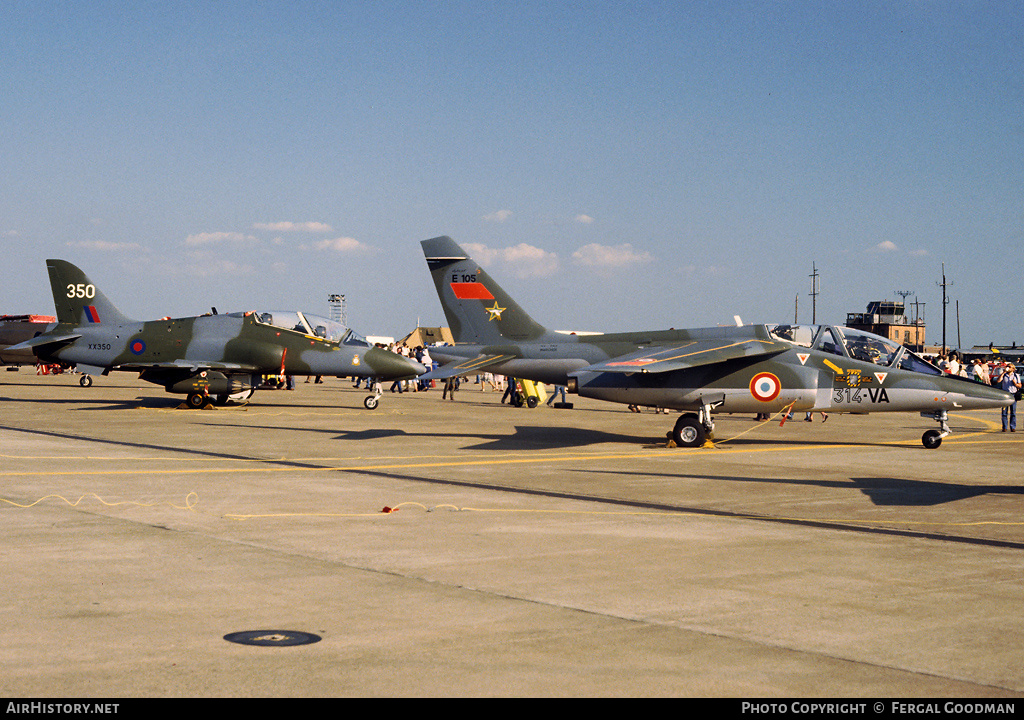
x=218 y=356
x=742 y=369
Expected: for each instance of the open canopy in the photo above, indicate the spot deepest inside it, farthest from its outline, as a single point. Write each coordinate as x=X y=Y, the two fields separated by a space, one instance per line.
x=857 y=344
x=313 y=325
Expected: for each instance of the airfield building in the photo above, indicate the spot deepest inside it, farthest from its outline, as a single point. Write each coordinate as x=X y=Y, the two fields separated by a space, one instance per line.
x=889 y=319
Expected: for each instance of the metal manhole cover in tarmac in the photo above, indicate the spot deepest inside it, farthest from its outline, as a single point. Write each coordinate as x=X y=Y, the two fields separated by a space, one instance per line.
x=272 y=638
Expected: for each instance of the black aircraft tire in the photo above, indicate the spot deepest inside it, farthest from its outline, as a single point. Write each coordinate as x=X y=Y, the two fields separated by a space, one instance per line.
x=931 y=439
x=85 y=381
x=371 y=402
x=688 y=432
x=196 y=400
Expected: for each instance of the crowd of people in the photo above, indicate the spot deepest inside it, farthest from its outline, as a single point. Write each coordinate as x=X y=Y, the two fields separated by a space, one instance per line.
x=421 y=354
x=995 y=371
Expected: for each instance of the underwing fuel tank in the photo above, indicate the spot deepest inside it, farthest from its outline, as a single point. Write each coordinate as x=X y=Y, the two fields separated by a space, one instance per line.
x=212 y=382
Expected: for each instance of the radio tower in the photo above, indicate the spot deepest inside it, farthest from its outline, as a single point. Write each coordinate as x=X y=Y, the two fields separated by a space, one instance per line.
x=337 y=303
x=904 y=294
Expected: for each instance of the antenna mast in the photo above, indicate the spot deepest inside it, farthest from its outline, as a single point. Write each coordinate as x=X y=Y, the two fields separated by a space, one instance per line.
x=814 y=293
x=945 y=302
x=904 y=294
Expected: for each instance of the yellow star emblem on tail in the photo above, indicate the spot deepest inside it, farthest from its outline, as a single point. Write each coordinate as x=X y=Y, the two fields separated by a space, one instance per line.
x=494 y=312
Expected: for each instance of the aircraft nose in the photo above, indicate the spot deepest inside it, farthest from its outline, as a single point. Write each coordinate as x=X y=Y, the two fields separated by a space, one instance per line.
x=983 y=396
x=387 y=364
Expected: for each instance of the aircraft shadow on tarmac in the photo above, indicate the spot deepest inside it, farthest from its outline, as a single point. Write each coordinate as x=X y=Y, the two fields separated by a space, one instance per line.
x=894 y=491
x=165 y=402
x=91 y=403
x=886 y=492
x=524 y=437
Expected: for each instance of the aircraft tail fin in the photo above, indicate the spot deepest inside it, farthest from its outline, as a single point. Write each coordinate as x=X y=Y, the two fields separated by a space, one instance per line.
x=77 y=299
x=478 y=310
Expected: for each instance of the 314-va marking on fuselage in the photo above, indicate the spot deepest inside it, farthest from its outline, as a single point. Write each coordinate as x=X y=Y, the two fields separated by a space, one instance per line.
x=850 y=395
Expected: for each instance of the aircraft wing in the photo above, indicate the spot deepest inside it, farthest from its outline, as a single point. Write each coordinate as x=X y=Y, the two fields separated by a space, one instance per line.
x=687 y=355
x=465 y=367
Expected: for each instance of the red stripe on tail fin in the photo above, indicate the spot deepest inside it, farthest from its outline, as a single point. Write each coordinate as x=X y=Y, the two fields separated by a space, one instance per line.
x=471 y=291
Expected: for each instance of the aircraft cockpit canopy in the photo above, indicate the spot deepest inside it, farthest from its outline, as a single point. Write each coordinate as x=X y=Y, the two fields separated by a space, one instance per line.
x=315 y=325
x=802 y=335
x=857 y=344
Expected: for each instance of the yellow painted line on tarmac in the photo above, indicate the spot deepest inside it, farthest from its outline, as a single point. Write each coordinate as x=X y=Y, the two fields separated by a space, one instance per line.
x=381 y=463
x=662 y=453
x=350 y=468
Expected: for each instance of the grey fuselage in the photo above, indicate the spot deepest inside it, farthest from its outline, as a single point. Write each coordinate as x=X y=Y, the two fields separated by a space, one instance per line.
x=798 y=377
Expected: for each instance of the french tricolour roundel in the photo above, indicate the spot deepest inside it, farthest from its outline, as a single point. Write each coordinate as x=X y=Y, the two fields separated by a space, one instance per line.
x=765 y=387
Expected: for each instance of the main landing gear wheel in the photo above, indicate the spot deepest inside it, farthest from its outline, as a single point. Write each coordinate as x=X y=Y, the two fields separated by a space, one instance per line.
x=85 y=381
x=931 y=439
x=689 y=432
x=196 y=400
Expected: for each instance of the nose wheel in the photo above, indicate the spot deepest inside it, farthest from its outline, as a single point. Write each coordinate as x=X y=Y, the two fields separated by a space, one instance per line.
x=933 y=438
x=371 y=401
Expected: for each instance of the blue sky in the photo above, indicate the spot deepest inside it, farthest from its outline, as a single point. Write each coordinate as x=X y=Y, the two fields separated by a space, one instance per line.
x=615 y=165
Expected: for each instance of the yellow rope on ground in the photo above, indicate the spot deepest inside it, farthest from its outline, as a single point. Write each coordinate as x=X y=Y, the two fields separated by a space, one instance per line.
x=782 y=413
x=190 y=501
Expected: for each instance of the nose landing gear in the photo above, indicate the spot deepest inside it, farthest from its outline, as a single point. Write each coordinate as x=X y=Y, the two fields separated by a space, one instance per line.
x=933 y=438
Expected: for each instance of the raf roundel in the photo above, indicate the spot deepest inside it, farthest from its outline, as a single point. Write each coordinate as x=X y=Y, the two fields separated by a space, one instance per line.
x=137 y=347
x=765 y=387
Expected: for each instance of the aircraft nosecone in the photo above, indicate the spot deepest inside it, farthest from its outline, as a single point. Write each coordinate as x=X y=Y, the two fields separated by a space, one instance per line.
x=391 y=365
x=979 y=397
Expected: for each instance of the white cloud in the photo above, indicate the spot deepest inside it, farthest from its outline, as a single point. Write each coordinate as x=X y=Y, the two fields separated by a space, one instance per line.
x=482 y=254
x=499 y=216
x=210 y=263
x=312 y=227
x=341 y=244
x=886 y=246
x=919 y=253
x=219 y=267
x=218 y=237
x=525 y=260
x=584 y=219
x=607 y=257
x=103 y=245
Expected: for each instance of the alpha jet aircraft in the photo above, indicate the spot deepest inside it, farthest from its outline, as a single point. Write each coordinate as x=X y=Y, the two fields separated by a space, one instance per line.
x=742 y=369
x=218 y=356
